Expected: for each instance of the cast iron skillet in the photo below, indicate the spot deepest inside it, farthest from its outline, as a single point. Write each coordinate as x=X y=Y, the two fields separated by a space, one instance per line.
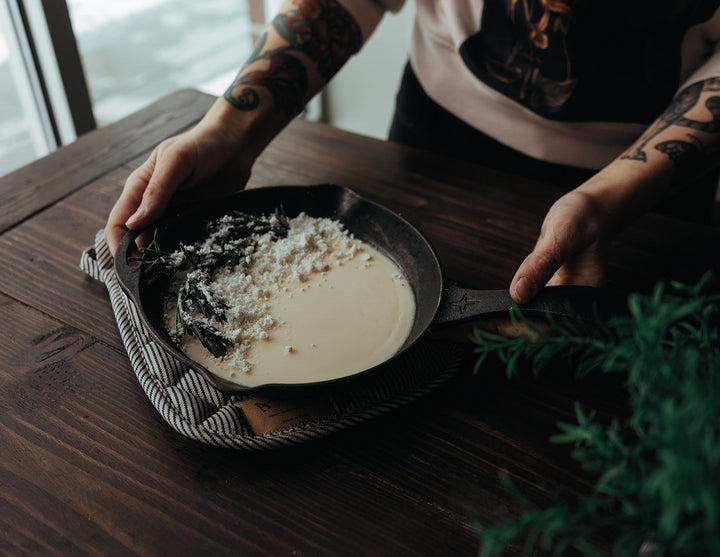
x=438 y=302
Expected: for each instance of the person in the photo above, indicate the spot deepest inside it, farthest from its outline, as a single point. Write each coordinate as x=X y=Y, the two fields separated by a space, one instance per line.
x=619 y=102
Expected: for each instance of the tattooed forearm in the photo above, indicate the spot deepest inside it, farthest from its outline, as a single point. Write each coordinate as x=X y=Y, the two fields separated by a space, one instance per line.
x=285 y=79
x=320 y=31
x=679 y=150
x=323 y=30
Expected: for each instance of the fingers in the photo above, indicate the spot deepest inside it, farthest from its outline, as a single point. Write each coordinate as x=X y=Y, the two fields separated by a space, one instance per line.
x=586 y=267
x=147 y=192
x=127 y=203
x=538 y=267
x=171 y=169
x=566 y=252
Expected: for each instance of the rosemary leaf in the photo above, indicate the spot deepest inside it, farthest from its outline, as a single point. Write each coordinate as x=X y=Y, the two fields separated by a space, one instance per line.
x=658 y=470
x=230 y=239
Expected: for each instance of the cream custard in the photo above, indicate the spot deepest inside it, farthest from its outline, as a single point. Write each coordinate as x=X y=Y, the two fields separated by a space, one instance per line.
x=304 y=301
x=339 y=322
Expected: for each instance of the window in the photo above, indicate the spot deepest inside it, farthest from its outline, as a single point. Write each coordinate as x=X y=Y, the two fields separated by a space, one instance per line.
x=67 y=64
x=135 y=51
x=16 y=140
x=25 y=127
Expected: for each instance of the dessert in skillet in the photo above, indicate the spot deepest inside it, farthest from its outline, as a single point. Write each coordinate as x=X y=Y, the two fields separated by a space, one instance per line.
x=268 y=299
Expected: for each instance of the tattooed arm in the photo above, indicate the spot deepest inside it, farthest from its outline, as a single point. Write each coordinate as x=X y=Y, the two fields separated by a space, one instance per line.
x=679 y=147
x=303 y=47
x=306 y=44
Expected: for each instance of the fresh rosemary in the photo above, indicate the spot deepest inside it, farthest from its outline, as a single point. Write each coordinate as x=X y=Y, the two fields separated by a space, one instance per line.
x=229 y=243
x=658 y=470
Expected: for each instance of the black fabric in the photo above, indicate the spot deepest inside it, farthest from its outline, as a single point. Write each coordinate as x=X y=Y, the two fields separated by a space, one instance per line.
x=590 y=61
x=422 y=123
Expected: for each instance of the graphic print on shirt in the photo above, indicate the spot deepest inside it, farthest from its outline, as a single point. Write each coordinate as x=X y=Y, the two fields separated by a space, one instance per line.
x=584 y=60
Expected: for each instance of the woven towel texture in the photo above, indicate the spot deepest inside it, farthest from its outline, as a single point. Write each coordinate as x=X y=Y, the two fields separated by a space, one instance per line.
x=191 y=406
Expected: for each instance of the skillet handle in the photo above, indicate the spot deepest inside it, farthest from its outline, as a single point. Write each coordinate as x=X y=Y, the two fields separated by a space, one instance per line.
x=128 y=276
x=460 y=304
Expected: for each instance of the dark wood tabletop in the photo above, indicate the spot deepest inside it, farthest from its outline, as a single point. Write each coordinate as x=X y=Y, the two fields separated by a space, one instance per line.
x=87 y=466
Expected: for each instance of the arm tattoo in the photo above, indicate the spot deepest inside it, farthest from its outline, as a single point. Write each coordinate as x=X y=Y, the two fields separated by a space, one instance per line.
x=675 y=115
x=321 y=30
x=285 y=79
x=683 y=153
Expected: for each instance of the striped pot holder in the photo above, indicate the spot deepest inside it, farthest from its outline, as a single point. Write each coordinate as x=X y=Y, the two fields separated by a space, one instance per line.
x=264 y=420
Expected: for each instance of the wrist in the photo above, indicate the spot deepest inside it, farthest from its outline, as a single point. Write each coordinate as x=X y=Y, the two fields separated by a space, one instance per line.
x=624 y=190
x=251 y=131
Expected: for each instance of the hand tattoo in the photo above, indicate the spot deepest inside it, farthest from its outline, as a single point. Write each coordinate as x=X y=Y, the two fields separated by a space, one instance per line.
x=321 y=30
x=678 y=150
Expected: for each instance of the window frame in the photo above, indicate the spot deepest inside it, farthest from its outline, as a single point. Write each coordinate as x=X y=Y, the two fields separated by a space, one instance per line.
x=47 y=71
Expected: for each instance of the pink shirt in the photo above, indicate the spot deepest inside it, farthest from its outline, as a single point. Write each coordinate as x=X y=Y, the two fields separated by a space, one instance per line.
x=556 y=82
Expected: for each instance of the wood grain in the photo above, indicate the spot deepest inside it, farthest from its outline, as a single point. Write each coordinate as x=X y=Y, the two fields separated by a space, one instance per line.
x=88 y=467
x=37 y=185
x=482 y=222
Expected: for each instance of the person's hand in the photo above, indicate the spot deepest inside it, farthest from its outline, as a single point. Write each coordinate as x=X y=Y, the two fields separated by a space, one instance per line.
x=570 y=249
x=207 y=161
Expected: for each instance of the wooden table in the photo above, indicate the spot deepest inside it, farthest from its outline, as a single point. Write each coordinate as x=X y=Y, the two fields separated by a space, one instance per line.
x=87 y=466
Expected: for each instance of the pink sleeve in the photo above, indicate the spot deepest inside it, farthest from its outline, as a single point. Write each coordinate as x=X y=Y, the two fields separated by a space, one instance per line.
x=700 y=52
x=711 y=68
x=368 y=13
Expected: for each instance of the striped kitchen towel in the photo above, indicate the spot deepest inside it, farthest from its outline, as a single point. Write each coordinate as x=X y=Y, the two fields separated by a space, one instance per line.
x=265 y=420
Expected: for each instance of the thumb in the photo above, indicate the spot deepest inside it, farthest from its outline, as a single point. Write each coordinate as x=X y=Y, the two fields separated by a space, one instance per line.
x=571 y=225
x=551 y=251
x=534 y=272
x=169 y=173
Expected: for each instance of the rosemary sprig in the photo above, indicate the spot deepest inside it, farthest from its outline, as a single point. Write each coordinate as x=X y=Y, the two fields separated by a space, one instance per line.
x=157 y=263
x=230 y=240
x=213 y=341
x=658 y=470
x=244 y=224
x=195 y=293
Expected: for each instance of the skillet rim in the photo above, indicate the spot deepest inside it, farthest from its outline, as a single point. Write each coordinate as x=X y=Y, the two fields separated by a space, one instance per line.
x=229 y=203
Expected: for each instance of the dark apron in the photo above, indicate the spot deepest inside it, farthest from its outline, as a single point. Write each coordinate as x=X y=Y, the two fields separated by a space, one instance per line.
x=421 y=122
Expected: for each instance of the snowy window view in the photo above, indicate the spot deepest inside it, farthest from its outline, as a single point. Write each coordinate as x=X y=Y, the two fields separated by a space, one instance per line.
x=134 y=52
x=16 y=145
